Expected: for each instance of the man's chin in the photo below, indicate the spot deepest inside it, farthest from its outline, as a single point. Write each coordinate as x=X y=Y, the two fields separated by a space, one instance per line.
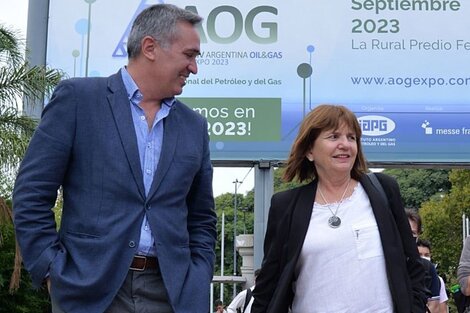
x=180 y=89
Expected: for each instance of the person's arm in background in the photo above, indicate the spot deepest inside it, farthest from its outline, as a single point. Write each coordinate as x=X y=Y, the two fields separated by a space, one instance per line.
x=463 y=271
x=443 y=298
x=433 y=305
x=237 y=302
x=433 y=302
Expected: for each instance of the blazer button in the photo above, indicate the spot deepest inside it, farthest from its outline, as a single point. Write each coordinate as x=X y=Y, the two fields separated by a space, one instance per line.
x=131 y=244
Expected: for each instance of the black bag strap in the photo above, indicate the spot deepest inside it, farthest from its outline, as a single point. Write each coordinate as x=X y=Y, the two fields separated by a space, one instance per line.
x=375 y=182
x=247 y=298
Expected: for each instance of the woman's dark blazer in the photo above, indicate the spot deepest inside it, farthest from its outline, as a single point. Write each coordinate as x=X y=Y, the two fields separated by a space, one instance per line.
x=288 y=221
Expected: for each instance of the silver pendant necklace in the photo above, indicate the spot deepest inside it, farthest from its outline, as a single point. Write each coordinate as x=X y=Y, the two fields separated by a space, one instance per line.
x=334 y=221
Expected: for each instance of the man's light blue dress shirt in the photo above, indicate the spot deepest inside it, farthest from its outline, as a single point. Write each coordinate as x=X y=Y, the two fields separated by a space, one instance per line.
x=149 y=142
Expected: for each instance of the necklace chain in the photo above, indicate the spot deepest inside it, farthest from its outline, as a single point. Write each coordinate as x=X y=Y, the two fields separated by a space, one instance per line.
x=340 y=201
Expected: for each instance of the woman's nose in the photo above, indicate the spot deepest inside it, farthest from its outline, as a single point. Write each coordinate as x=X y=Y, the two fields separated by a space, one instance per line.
x=344 y=141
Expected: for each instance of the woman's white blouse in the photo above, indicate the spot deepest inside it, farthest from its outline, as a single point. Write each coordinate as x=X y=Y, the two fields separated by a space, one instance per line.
x=342 y=269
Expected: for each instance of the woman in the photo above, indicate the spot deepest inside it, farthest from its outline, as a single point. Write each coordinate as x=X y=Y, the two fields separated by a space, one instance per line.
x=334 y=245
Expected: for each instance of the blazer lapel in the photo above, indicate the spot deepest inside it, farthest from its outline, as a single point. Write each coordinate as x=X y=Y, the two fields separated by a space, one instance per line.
x=170 y=137
x=302 y=212
x=120 y=107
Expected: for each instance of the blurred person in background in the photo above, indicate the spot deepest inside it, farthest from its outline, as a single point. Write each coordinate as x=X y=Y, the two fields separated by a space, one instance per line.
x=424 y=248
x=432 y=279
x=244 y=300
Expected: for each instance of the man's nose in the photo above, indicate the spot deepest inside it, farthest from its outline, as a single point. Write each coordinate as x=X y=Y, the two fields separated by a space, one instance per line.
x=192 y=67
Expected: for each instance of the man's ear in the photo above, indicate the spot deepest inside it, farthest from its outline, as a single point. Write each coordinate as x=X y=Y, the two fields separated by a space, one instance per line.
x=149 y=47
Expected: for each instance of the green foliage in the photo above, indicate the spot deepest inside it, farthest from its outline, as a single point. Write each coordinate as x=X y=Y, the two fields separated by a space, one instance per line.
x=442 y=221
x=460 y=194
x=419 y=185
x=25 y=299
x=442 y=228
x=17 y=77
x=245 y=222
x=280 y=184
x=225 y=203
x=15 y=132
x=18 y=81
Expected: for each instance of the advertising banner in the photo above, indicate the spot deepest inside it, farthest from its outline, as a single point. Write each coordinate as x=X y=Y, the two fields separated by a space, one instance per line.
x=403 y=66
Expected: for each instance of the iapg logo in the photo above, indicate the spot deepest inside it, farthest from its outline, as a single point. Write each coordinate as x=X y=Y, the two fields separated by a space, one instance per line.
x=376 y=125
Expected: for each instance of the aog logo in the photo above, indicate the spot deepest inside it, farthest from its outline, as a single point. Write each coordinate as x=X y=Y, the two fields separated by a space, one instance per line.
x=376 y=125
x=269 y=28
x=259 y=25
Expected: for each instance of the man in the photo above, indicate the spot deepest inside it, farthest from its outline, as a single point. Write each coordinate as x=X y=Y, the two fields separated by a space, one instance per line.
x=138 y=227
x=219 y=306
x=432 y=279
x=424 y=248
x=243 y=301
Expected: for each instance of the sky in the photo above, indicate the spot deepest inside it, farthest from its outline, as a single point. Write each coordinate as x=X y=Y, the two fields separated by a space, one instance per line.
x=14 y=14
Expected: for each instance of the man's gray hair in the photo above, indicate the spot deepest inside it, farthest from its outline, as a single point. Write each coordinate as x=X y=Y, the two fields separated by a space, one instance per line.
x=160 y=22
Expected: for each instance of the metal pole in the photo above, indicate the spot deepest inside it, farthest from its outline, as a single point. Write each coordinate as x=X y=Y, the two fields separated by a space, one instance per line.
x=463 y=228
x=304 y=98
x=212 y=297
x=36 y=45
x=87 y=55
x=236 y=182
x=244 y=221
x=467 y=226
x=264 y=189
x=222 y=252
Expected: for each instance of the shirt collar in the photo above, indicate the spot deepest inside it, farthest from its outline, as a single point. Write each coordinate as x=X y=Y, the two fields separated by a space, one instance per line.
x=133 y=93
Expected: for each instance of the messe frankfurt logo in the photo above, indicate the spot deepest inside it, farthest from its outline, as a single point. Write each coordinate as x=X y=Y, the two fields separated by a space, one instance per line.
x=426 y=127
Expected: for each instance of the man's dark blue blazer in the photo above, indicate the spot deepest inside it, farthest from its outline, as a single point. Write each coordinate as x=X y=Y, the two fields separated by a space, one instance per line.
x=86 y=143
